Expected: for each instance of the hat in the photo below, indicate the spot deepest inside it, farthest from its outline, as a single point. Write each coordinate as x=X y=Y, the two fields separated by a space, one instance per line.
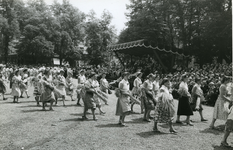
x=62 y=71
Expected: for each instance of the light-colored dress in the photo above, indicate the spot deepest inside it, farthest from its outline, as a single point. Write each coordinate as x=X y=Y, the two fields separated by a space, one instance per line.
x=137 y=87
x=70 y=86
x=219 y=112
x=123 y=102
x=59 y=90
x=165 y=108
x=156 y=87
x=15 y=86
x=197 y=94
x=104 y=85
x=81 y=81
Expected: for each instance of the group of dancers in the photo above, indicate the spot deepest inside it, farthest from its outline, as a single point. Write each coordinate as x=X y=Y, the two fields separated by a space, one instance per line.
x=152 y=94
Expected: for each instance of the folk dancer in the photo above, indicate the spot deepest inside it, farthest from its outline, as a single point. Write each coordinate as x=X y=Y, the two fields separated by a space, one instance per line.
x=81 y=81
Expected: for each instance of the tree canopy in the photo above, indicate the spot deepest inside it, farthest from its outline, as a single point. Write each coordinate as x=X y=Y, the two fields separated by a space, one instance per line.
x=39 y=31
x=199 y=28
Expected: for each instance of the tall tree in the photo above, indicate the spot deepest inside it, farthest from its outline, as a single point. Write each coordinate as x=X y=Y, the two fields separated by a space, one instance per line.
x=10 y=28
x=69 y=32
x=99 y=34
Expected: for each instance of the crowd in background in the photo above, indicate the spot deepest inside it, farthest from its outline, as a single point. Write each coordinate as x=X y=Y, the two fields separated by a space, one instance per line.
x=210 y=75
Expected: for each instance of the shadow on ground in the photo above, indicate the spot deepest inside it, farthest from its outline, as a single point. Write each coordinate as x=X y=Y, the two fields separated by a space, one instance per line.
x=217 y=131
x=74 y=119
x=33 y=110
x=217 y=147
x=150 y=133
x=137 y=121
x=110 y=125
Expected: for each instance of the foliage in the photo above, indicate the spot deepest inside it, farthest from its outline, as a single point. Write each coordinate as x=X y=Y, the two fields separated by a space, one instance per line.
x=200 y=28
x=99 y=34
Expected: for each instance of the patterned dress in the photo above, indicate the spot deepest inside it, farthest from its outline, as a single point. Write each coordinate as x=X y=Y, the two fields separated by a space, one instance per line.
x=147 y=99
x=165 y=109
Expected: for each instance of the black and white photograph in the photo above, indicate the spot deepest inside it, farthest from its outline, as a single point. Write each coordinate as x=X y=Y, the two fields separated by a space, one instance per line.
x=116 y=75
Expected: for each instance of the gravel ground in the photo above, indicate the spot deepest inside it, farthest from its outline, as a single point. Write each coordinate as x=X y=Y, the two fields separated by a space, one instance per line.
x=25 y=126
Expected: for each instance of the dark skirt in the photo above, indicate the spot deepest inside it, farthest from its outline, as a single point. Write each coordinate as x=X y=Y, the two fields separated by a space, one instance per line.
x=148 y=102
x=184 y=107
x=89 y=102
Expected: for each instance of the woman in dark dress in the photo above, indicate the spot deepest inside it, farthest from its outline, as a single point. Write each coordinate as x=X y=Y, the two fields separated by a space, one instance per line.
x=184 y=107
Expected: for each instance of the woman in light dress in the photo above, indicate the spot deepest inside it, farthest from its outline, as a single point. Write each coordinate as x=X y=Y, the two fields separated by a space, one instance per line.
x=70 y=85
x=59 y=90
x=24 y=84
x=80 y=87
x=136 y=91
x=165 y=108
x=219 y=112
x=123 y=102
x=197 y=98
x=104 y=86
x=16 y=80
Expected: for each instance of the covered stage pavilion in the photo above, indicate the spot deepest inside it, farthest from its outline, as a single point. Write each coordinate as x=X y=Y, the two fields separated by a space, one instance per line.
x=143 y=48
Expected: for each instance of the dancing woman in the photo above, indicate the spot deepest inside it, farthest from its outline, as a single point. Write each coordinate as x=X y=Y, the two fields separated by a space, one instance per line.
x=197 y=98
x=123 y=102
x=81 y=82
x=136 y=91
x=165 y=108
x=16 y=80
x=69 y=85
x=184 y=107
x=88 y=98
x=219 y=112
x=148 y=97
x=60 y=91
x=104 y=86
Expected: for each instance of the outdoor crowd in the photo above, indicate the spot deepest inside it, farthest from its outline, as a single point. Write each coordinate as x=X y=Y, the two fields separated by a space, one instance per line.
x=155 y=91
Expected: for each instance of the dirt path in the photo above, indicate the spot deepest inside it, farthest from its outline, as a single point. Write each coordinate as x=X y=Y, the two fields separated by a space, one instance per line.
x=25 y=125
